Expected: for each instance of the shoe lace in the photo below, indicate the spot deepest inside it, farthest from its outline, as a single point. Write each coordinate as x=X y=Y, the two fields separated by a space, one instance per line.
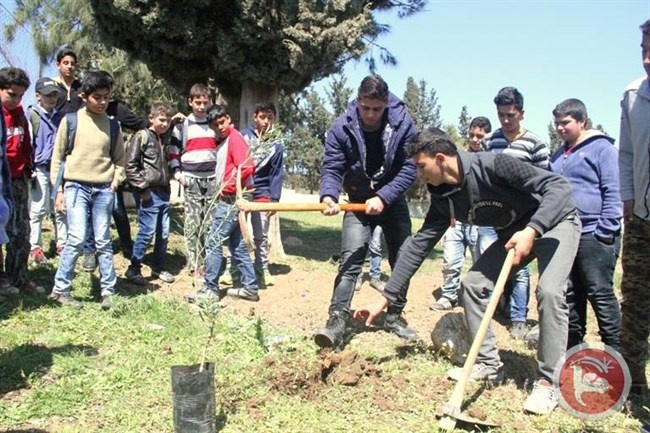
x=541 y=390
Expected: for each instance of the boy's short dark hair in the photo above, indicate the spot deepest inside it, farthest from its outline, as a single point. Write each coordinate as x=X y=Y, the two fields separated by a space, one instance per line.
x=96 y=80
x=65 y=52
x=200 y=89
x=510 y=96
x=265 y=106
x=215 y=112
x=373 y=87
x=431 y=141
x=645 y=28
x=481 y=122
x=11 y=76
x=158 y=108
x=571 y=107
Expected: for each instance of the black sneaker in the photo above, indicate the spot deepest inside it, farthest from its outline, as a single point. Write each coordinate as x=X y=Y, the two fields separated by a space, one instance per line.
x=89 y=263
x=135 y=276
x=396 y=324
x=246 y=294
x=332 y=334
x=65 y=300
x=107 y=302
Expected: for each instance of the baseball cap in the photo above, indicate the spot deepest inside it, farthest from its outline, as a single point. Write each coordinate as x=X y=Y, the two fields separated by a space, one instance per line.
x=46 y=86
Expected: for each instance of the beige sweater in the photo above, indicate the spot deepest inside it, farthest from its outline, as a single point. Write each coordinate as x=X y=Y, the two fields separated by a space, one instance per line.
x=90 y=160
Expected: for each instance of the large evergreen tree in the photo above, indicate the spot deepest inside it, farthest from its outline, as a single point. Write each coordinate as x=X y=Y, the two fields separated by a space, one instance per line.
x=251 y=48
x=464 y=119
x=422 y=104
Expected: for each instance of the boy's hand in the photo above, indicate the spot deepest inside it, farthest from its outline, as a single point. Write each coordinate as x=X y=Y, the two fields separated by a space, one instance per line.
x=333 y=207
x=178 y=118
x=374 y=206
x=181 y=180
x=370 y=312
x=522 y=241
x=59 y=202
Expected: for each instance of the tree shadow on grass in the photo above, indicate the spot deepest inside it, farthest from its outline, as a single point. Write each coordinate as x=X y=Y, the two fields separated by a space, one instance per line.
x=29 y=430
x=19 y=364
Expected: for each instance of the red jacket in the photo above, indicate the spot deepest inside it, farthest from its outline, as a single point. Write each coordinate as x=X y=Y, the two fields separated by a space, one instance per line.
x=19 y=143
x=237 y=157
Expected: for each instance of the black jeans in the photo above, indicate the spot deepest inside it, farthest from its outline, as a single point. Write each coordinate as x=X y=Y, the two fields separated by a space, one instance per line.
x=356 y=235
x=592 y=279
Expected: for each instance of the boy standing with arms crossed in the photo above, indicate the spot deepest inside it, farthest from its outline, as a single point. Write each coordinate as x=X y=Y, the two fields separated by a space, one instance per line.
x=93 y=170
x=147 y=172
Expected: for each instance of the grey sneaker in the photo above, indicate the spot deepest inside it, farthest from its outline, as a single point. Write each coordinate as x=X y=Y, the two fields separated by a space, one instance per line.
x=480 y=372
x=65 y=300
x=442 y=304
x=518 y=330
x=532 y=337
x=7 y=289
x=377 y=284
x=89 y=263
x=163 y=276
x=542 y=400
x=246 y=294
x=135 y=276
x=202 y=295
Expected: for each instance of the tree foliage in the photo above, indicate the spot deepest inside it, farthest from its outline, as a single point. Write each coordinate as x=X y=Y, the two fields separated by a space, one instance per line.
x=464 y=119
x=251 y=49
x=55 y=24
x=422 y=104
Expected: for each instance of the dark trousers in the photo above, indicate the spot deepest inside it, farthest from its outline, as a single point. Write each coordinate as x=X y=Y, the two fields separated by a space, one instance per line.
x=356 y=235
x=591 y=280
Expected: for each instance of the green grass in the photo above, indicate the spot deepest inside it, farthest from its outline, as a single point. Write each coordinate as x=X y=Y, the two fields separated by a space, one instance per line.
x=65 y=370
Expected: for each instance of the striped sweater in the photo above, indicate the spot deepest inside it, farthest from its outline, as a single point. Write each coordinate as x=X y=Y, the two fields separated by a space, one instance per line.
x=528 y=148
x=192 y=149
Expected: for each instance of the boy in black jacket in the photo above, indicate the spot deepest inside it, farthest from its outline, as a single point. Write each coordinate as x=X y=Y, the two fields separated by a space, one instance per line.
x=147 y=172
x=532 y=211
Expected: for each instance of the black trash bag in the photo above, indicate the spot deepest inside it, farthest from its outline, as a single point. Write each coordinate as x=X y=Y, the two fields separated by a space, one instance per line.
x=193 y=398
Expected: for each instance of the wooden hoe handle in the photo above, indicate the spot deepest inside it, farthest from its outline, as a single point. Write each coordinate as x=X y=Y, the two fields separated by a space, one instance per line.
x=249 y=206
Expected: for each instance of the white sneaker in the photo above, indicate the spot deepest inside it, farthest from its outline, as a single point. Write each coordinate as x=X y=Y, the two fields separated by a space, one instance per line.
x=479 y=372
x=542 y=400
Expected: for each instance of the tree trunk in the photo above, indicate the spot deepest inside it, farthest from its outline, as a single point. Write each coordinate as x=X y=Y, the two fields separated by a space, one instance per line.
x=251 y=94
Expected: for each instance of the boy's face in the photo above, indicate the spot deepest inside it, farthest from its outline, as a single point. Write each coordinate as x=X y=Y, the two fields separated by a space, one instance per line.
x=11 y=96
x=67 y=67
x=474 y=137
x=645 y=53
x=430 y=167
x=97 y=101
x=220 y=125
x=510 y=118
x=47 y=102
x=160 y=122
x=263 y=121
x=371 y=112
x=199 y=105
x=568 y=128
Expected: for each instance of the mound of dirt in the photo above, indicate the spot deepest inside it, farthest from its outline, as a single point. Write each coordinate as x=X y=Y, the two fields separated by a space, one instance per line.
x=345 y=368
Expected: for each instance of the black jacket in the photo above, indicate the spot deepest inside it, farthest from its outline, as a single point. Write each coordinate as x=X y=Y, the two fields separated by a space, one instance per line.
x=146 y=162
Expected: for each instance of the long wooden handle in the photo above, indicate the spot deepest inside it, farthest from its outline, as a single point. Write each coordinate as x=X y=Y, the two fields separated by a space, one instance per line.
x=249 y=206
x=456 y=400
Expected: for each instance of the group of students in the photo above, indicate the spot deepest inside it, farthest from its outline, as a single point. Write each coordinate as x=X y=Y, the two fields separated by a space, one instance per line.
x=69 y=157
x=564 y=210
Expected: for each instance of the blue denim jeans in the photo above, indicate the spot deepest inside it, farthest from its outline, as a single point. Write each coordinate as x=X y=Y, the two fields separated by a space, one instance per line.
x=226 y=226
x=153 y=219
x=375 y=253
x=519 y=283
x=591 y=280
x=356 y=234
x=80 y=200
x=457 y=240
x=122 y=225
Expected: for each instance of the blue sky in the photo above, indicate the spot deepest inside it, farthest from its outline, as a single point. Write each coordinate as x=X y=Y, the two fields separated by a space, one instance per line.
x=550 y=50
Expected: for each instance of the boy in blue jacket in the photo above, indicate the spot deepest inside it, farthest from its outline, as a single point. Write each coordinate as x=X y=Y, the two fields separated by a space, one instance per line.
x=589 y=161
x=364 y=153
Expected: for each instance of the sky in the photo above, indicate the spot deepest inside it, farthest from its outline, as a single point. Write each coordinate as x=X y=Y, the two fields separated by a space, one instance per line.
x=550 y=50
